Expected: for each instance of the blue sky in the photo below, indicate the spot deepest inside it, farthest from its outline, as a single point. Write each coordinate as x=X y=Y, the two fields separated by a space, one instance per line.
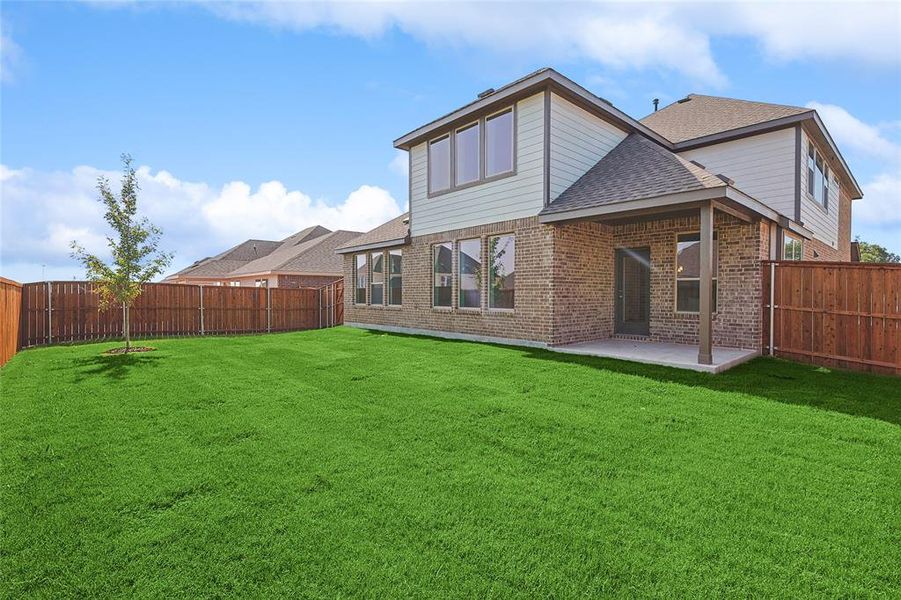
x=253 y=120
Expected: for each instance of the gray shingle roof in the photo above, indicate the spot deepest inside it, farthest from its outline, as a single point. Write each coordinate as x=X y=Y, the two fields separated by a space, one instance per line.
x=231 y=259
x=697 y=116
x=635 y=169
x=396 y=229
x=235 y=258
x=316 y=255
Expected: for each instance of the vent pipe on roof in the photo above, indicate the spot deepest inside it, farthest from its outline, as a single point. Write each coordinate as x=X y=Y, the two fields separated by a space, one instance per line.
x=656 y=103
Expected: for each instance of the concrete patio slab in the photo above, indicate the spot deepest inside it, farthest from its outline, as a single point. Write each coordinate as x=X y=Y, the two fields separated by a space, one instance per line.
x=682 y=356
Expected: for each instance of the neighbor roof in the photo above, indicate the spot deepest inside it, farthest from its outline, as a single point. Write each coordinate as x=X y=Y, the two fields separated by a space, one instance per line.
x=697 y=116
x=393 y=233
x=231 y=259
x=226 y=263
x=635 y=169
x=316 y=255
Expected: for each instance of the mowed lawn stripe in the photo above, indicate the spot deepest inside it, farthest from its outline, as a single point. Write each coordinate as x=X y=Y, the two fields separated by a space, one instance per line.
x=340 y=462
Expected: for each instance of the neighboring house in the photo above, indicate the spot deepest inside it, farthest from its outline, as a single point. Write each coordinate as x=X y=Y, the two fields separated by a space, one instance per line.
x=541 y=214
x=305 y=259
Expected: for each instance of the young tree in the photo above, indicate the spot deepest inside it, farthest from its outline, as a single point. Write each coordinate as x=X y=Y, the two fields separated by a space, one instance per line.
x=876 y=253
x=133 y=246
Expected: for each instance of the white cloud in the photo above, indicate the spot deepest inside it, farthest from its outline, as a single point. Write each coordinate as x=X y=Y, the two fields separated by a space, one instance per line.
x=10 y=58
x=619 y=37
x=856 y=32
x=881 y=204
x=851 y=132
x=399 y=165
x=43 y=211
x=674 y=37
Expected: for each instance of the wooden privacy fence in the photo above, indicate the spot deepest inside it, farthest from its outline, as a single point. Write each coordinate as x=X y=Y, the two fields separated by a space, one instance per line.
x=67 y=311
x=845 y=315
x=10 y=315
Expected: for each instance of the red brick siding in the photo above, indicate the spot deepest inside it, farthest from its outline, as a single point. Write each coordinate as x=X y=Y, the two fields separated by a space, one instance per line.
x=741 y=247
x=565 y=284
x=299 y=281
x=583 y=282
x=531 y=320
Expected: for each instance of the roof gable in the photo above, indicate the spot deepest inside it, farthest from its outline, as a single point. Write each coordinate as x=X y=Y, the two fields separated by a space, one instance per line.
x=635 y=169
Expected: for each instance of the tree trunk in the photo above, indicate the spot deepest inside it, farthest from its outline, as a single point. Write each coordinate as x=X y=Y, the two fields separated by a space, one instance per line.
x=126 y=326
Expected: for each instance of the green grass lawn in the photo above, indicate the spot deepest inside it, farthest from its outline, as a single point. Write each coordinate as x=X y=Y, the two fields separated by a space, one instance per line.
x=343 y=463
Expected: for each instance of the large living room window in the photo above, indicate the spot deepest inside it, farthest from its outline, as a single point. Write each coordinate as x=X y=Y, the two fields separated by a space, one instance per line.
x=688 y=272
x=817 y=177
x=469 y=264
x=361 y=278
x=499 y=143
x=792 y=248
x=467 y=154
x=439 y=164
x=481 y=150
x=502 y=274
x=442 y=274
x=377 y=286
x=395 y=277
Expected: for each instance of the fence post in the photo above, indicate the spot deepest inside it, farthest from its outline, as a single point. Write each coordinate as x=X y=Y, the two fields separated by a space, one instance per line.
x=268 y=309
x=320 y=308
x=201 y=308
x=772 y=302
x=49 y=313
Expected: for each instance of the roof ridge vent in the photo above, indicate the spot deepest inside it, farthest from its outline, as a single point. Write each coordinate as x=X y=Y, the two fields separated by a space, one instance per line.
x=697 y=164
x=684 y=100
x=726 y=179
x=486 y=93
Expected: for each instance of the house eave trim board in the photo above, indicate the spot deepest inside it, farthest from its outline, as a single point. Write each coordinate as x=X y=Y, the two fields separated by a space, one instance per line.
x=548 y=80
x=374 y=245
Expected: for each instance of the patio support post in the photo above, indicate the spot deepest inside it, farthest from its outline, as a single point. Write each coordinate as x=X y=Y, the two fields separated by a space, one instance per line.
x=705 y=337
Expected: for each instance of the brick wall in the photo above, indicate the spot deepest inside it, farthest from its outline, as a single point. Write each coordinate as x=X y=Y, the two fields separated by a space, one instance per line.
x=299 y=281
x=531 y=320
x=565 y=283
x=583 y=282
x=741 y=247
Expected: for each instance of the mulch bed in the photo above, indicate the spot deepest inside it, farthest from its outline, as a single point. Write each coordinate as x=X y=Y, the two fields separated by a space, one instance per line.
x=130 y=350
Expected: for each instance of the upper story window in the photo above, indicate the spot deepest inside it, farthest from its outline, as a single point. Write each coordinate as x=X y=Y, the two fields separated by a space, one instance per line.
x=817 y=177
x=440 y=164
x=467 y=154
x=476 y=152
x=499 y=143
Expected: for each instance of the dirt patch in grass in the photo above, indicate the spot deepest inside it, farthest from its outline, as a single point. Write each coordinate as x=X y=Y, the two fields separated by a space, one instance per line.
x=129 y=350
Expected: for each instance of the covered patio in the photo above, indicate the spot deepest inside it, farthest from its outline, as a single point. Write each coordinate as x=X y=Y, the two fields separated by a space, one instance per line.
x=683 y=247
x=681 y=356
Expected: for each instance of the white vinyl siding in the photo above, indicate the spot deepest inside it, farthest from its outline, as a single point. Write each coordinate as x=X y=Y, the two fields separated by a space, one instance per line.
x=762 y=166
x=578 y=141
x=823 y=222
x=514 y=197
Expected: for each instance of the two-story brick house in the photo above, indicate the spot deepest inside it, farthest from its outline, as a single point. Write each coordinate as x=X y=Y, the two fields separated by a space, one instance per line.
x=540 y=214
